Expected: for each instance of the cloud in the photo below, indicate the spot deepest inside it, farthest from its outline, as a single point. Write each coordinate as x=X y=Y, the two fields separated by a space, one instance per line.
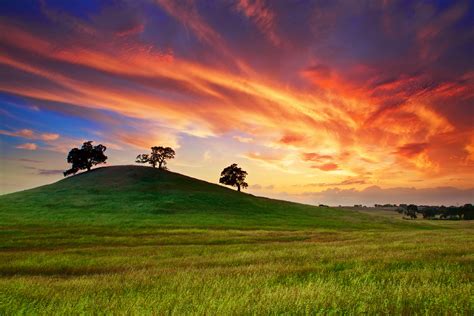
x=346 y=182
x=263 y=17
x=29 y=160
x=29 y=134
x=376 y=195
x=50 y=172
x=315 y=157
x=25 y=133
x=49 y=136
x=261 y=187
x=412 y=149
x=243 y=139
x=266 y=157
x=45 y=172
x=326 y=167
x=207 y=155
x=279 y=160
x=28 y=146
x=470 y=150
x=292 y=139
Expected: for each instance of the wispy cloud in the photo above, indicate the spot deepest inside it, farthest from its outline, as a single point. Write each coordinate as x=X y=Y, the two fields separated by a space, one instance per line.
x=28 y=146
x=29 y=134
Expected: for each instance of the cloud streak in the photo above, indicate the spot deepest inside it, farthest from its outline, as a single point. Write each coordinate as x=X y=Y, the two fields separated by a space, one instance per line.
x=376 y=195
x=28 y=146
x=29 y=134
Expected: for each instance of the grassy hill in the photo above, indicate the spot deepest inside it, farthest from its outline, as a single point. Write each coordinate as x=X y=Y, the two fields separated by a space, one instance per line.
x=143 y=196
x=136 y=240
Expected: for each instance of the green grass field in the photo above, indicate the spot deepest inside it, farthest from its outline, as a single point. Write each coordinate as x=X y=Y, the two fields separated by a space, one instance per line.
x=134 y=240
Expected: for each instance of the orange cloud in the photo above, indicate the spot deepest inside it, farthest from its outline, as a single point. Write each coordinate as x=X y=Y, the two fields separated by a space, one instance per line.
x=264 y=157
x=413 y=149
x=292 y=139
x=27 y=133
x=326 y=167
x=28 y=146
x=315 y=157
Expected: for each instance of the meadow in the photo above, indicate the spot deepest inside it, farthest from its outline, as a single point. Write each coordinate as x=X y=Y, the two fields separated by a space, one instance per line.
x=133 y=240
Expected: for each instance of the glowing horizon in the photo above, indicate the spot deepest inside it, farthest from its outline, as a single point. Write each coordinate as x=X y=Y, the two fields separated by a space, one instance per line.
x=318 y=102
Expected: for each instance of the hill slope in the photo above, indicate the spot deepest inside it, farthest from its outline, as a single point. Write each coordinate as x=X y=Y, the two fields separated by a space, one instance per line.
x=143 y=196
x=135 y=240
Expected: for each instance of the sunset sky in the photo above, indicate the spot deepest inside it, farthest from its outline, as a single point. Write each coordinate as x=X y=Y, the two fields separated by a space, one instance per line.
x=334 y=102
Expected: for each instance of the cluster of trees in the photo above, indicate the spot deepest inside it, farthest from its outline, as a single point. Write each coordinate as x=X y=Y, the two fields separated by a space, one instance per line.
x=88 y=155
x=441 y=212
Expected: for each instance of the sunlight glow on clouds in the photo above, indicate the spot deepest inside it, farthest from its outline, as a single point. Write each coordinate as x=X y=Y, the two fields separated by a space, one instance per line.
x=28 y=146
x=351 y=95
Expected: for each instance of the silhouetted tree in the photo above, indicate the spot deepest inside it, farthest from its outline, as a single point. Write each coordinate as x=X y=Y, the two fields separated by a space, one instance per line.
x=411 y=211
x=85 y=157
x=234 y=176
x=158 y=155
x=453 y=212
x=468 y=211
x=428 y=212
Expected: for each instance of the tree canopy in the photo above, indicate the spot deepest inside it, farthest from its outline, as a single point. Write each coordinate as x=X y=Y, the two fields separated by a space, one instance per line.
x=158 y=156
x=234 y=176
x=85 y=157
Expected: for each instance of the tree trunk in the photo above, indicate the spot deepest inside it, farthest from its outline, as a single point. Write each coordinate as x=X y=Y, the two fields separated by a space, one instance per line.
x=238 y=187
x=159 y=166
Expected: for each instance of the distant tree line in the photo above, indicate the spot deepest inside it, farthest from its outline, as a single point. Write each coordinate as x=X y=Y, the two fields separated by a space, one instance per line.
x=88 y=155
x=385 y=205
x=465 y=212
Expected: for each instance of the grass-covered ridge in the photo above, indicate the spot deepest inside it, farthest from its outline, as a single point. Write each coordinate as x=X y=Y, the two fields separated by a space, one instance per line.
x=136 y=240
x=143 y=196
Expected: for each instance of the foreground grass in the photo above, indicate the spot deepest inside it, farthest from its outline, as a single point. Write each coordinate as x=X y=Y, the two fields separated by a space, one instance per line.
x=193 y=271
x=194 y=248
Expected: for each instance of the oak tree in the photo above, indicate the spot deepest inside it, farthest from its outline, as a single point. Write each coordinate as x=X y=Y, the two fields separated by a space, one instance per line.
x=85 y=157
x=158 y=156
x=234 y=176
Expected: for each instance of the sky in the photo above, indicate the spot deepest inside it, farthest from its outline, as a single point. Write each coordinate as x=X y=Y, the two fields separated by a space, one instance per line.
x=322 y=102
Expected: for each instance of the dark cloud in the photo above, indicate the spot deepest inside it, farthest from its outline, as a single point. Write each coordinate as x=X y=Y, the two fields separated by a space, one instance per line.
x=411 y=149
x=24 y=160
x=45 y=172
x=50 y=172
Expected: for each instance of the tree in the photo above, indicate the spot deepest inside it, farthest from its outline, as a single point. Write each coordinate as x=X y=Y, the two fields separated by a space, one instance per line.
x=411 y=211
x=158 y=155
x=234 y=176
x=428 y=212
x=85 y=158
x=468 y=211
